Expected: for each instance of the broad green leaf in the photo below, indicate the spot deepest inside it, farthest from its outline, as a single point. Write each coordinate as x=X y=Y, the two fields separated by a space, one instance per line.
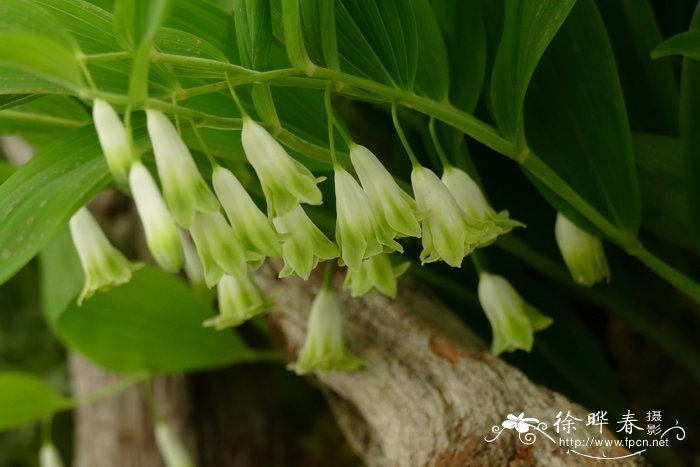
x=152 y=323
x=45 y=114
x=690 y=130
x=575 y=121
x=318 y=22
x=462 y=25
x=136 y=21
x=42 y=195
x=253 y=31
x=528 y=29
x=6 y=169
x=432 y=73
x=31 y=17
x=378 y=40
x=25 y=398
x=61 y=276
x=665 y=213
x=650 y=88
x=41 y=57
x=7 y=101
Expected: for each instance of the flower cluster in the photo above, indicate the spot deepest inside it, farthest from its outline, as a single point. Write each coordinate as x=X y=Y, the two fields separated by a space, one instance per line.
x=220 y=235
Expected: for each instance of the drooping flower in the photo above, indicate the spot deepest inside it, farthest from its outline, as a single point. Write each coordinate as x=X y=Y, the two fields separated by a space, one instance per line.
x=104 y=266
x=447 y=234
x=49 y=456
x=284 y=181
x=220 y=250
x=513 y=321
x=375 y=272
x=303 y=244
x=324 y=348
x=473 y=203
x=171 y=448
x=582 y=252
x=252 y=227
x=193 y=265
x=162 y=235
x=240 y=299
x=113 y=140
x=390 y=203
x=358 y=232
x=184 y=189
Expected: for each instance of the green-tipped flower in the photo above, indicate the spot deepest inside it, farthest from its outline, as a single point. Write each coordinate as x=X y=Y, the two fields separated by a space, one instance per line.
x=162 y=235
x=240 y=299
x=113 y=139
x=184 y=189
x=324 y=348
x=104 y=266
x=284 y=181
x=583 y=253
x=49 y=456
x=303 y=244
x=358 y=232
x=513 y=321
x=390 y=203
x=252 y=226
x=447 y=234
x=473 y=203
x=171 y=448
x=219 y=248
x=376 y=272
x=193 y=265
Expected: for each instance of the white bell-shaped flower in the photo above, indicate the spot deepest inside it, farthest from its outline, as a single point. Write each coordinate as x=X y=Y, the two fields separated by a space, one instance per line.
x=113 y=140
x=184 y=189
x=240 y=299
x=376 y=272
x=582 y=252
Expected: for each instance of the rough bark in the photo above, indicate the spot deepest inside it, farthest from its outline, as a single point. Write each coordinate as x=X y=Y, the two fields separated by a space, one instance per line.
x=430 y=392
x=429 y=395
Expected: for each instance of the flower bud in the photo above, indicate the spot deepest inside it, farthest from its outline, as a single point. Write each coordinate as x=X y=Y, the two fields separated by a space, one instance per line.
x=303 y=244
x=284 y=181
x=193 y=265
x=104 y=266
x=113 y=139
x=390 y=203
x=184 y=188
x=513 y=321
x=474 y=205
x=447 y=234
x=375 y=272
x=162 y=235
x=358 y=233
x=49 y=456
x=171 y=448
x=219 y=249
x=240 y=299
x=582 y=252
x=252 y=227
x=324 y=348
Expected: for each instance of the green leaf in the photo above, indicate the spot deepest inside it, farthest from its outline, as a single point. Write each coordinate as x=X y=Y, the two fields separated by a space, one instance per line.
x=61 y=276
x=6 y=169
x=690 y=130
x=30 y=17
x=528 y=29
x=42 y=195
x=651 y=91
x=152 y=323
x=253 y=31
x=686 y=44
x=378 y=40
x=7 y=101
x=137 y=21
x=41 y=57
x=25 y=398
x=432 y=73
x=462 y=25
x=318 y=22
x=45 y=114
x=665 y=207
x=575 y=121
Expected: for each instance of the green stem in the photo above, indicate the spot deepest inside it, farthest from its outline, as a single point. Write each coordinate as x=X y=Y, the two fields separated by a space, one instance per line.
x=327 y=283
x=438 y=146
x=205 y=148
x=331 y=119
x=108 y=391
x=479 y=262
x=402 y=137
x=669 y=274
